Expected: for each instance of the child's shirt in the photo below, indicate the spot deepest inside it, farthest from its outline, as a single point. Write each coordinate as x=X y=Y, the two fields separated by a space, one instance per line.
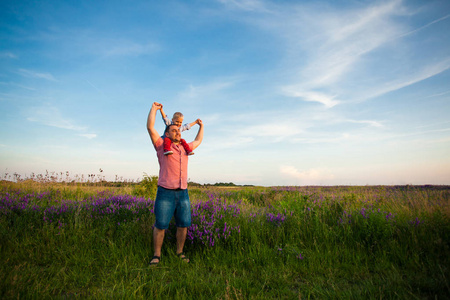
x=168 y=122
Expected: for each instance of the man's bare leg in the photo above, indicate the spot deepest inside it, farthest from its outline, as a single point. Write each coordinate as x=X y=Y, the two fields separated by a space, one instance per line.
x=181 y=239
x=158 y=238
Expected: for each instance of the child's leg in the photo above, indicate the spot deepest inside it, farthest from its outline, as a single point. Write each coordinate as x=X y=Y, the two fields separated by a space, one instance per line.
x=186 y=147
x=167 y=144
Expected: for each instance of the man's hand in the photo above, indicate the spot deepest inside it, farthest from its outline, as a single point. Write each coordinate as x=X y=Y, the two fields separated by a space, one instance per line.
x=199 y=122
x=157 y=105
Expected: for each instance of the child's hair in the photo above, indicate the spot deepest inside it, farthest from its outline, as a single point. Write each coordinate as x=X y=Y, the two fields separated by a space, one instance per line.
x=177 y=115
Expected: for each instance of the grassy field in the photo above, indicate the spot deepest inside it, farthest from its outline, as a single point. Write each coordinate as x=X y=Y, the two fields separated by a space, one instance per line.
x=65 y=241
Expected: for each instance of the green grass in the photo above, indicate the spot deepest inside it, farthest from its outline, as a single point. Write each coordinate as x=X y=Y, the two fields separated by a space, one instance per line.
x=317 y=252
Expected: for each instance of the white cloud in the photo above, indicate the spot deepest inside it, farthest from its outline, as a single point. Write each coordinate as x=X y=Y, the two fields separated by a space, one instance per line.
x=88 y=135
x=334 y=45
x=273 y=129
x=18 y=85
x=7 y=54
x=425 y=26
x=237 y=142
x=332 y=54
x=245 y=5
x=34 y=74
x=205 y=90
x=326 y=138
x=311 y=96
x=327 y=48
x=426 y=72
x=128 y=48
x=311 y=176
x=369 y=122
x=51 y=116
x=439 y=94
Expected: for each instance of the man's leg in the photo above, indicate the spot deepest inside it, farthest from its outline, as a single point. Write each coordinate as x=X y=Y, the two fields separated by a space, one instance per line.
x=181 y=238
x=164 y=210
x=183 y=220
x=158 y=239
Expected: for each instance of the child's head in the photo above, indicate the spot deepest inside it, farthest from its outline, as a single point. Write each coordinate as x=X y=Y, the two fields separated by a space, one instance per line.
x=177 y=119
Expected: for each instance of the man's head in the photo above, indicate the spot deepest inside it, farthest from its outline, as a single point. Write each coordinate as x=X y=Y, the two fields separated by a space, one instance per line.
x=173 y=133
x=177 y=119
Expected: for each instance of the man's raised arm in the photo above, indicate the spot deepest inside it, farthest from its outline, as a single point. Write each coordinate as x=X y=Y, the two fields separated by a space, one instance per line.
x=154 y=136
x=199 y=137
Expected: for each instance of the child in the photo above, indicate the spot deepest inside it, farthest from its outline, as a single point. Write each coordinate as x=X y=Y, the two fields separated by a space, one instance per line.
x=177 y=119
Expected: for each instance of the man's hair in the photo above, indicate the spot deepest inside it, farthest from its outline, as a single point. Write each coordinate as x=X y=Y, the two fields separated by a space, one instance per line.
x=177 y=115
x=168 y=128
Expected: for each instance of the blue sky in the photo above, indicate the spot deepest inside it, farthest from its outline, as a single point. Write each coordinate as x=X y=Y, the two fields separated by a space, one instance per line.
x=290 y=92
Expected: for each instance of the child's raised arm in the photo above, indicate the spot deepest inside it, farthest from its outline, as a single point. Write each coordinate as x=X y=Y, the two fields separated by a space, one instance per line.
x=188 y=126
x=195 y=122
x=165 y=118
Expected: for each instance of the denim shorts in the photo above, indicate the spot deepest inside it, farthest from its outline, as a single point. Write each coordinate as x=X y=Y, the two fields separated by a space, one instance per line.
x=171 y=203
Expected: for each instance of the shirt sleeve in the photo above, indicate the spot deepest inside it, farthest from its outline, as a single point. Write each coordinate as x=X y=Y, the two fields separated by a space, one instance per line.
x=185 y=127
x=167 y=121
x=159 y=143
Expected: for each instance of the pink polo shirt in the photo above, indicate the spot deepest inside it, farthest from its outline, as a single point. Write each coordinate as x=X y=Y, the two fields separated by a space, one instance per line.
x=172 y=168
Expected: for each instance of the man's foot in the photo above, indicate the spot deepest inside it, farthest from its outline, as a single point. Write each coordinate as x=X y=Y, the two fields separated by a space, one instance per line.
x=155 y=260
x=168 y=152
x=183 y=257
x=191 y=153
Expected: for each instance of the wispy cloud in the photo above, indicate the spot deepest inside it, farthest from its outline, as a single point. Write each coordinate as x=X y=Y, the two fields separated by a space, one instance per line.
x=51 y=116
x=7 y=54
x=246 y=5
x=34 y=74
x=344 y=54
x=424 y=26
x=309 y=95
x=335 y=44
x=224 y=142
x=18 y=85
x=325 y=138
x=368 y=122
x=314 y=175
x=88 y=135
x=205 y=90
x=424 y=73
x=130 y=48
x=439 y=94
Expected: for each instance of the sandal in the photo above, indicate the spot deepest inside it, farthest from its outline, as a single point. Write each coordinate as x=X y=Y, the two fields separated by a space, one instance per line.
x=183 y=257
x=155 y=263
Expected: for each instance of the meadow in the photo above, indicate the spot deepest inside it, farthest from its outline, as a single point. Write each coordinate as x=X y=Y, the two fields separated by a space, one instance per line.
x=65 y=240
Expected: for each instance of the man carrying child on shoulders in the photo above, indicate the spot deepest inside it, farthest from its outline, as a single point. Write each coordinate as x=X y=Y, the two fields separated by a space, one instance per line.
x=172 y=198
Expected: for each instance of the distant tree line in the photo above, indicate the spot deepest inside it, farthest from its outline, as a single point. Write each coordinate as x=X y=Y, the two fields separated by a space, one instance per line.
x=195 y=184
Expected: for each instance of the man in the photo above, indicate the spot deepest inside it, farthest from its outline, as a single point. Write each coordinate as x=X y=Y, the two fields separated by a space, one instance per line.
x=172 y=198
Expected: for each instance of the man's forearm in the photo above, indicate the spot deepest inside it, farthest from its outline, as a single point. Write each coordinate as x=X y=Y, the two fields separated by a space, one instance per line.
x=199 y=138
x=151 y=119
x=154 y=136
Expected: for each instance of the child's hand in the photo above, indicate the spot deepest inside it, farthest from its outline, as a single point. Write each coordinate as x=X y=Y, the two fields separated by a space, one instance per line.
x=157 y=105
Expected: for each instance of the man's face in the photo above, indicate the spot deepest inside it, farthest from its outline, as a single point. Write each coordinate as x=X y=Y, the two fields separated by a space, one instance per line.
x=178 y=122
x=174 y=133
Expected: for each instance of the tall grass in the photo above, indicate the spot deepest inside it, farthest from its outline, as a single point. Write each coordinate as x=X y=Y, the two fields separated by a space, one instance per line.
x=59 y=241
